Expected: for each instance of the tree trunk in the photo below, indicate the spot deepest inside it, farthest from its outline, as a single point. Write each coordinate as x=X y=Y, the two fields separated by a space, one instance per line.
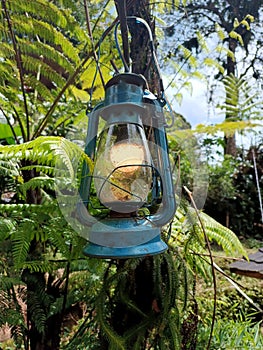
x=230 y=141
x=140 y=283
x=39 y=297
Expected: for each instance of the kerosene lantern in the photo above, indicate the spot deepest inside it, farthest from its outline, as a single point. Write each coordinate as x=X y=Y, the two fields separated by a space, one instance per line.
x=127 y=197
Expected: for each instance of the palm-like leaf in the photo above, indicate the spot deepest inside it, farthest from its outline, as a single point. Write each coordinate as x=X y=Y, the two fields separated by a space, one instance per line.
x=44 y=52
x=242 y=102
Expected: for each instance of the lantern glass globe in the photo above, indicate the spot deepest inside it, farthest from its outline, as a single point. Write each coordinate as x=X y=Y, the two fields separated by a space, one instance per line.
x=122 y=171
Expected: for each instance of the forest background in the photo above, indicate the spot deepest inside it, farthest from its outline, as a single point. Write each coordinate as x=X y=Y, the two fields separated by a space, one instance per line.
x=55 y=58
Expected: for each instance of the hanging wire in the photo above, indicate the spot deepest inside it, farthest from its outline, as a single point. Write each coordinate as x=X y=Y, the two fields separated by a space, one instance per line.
x=126 y=67
x=156 y=63
x=163 y=98
x=105 y=33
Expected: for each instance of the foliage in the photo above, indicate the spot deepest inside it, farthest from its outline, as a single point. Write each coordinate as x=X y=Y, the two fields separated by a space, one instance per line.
x=47 y=72
x=188 y=234
x=233 y=59
x=43 y=226
x=153 y=323
x=57 y=255
x=221 y=187
x=229 y=334
x=233 y=193
x=203 y=19
x=45 y=54
x=45 y=57
x=242 y=102
x=44 y=153
x=238 y=324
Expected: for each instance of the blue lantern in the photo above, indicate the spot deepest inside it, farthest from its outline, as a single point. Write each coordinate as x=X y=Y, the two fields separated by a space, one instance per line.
x=128 y=196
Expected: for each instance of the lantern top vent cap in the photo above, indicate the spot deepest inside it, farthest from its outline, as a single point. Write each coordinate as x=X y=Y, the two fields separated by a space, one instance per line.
x=128 y=78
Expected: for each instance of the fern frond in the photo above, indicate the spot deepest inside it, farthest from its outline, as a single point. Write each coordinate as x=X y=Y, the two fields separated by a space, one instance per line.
x=202 y=42
x=47 y=32
x=37 y=86
x=6 y=282
x=221 y=235
x=172 y=284
x=51 y=14
x=220 y=32
x=116 y=342
x=21 y=240
x=9 y=167
x=174 y=328
x=58 y=239
x=213 y=63
x=228 y=127
x=33 y=64
x=6 y=50
x=240 y=102
x=46 y=9
x=47 y=149
x=234 y=35
x=37 y=182
x=227 y=52
x=38 y=314
x=7 y=226
x=17 y=209
x=48 y=170
x=37 y=266
x=188 y=56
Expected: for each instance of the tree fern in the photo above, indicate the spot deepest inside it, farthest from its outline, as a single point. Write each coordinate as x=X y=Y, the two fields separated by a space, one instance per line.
x=226 y=238
x=21 y=243
x=37 y=182
x=37 y=309
x=46 y=150
x=242 y=102
x=44 y=42
x=188 y=237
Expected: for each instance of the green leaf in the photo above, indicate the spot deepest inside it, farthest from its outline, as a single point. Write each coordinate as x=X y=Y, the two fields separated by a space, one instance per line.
x=213 y=63
x=6 y=131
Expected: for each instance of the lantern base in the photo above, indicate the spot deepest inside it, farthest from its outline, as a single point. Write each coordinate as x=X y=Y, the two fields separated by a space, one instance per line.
x=153 y=247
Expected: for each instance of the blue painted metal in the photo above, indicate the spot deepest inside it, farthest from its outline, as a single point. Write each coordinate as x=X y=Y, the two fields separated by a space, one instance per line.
x=123 y=232
x=122 y=237
x=168 y=209
x=153 y=247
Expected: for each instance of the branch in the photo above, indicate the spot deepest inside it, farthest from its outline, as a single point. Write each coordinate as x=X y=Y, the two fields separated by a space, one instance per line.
x=211 y=9
x=236 y=285
x=238 y=288
x=212 y=264
x=92 y=40
x=70 y=81
x=19 y=122
x=18 y=59
x=252 y=63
